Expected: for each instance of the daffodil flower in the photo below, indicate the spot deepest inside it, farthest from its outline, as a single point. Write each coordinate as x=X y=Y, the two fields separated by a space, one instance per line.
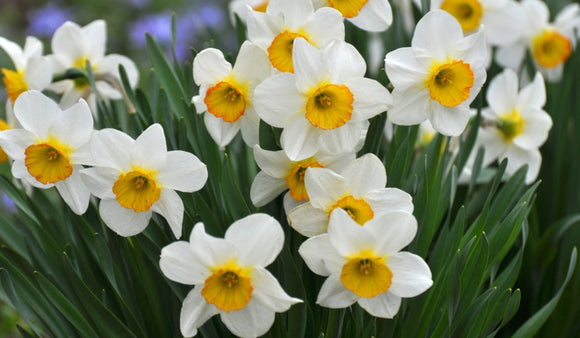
x=369 y=15
x=515 y=125
x=226 y=93
x=51 y=147
x=32 y=70
x=72 y=47
x=280 y=174
x=550 y=44
x=284 y=21
x=365 y=265
x=358 y=189
x=439 y=76
x=229 y=275
x=239 y=8
x=134 y=178
x=324 y=104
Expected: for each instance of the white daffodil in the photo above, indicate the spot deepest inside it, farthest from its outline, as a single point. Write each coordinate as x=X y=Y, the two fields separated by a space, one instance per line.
x=324 y=104
x=550 y=44
x=285 y=21
x=229 y=275
x=515 y=123
x=51 y=147
x=279 y=174
x=226 y=93
x=365 y=265
x=359 y=189
x=239 y=8
x=439 y=76
x=133 y=178
x=72 y=47
x=369 y=15
x=31 y=71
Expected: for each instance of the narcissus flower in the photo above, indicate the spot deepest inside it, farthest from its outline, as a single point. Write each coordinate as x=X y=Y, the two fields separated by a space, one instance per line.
x=229 y=275
x=370 y=15
x=358 y=189
x=284 y=21
x=134 y=178
x=239 y=8
x=51 y=147
x=550 y=44
x=515 y=125
x=226 y=93
x=365 y=265
x=279 y=174
x=324 y=104
x=32 y=70
x=72 y=47
x=439 y=76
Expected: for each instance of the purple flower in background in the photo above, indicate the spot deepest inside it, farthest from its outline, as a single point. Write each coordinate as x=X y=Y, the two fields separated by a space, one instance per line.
x=140 y=3
x=211 y=15
x=157 y=25
x=9 y=204
x=44 y=21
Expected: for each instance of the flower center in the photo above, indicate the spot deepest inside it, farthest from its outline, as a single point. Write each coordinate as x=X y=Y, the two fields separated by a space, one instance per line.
x=348 y=8
x=330 y=106
x=450 y=83
x=48 y=163
x=551 y=48
x=15 y=83
x=511 y=125
x=225 y=101
x=136 y=190
x=467 y=12
x=358 y=209
x=229 y=288
x=366 y=275
x=295 y=179
x=280 y=50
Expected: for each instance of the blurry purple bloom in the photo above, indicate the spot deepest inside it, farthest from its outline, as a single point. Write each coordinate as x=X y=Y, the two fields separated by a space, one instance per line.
x=9 y=204
x=212 y=16
x=158 y=26
x=44 y=21
x=140 y=3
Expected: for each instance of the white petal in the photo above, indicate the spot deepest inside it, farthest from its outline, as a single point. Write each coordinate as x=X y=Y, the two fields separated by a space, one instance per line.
x=195 y=311
x=100 y=181
x=74 y=192
x=310 y=67
x=15 y=53
x=403 y=69
x=210 y=251
x=38 y=73
x=170 y=206
x=252 y=321
x=111 y=148
x=274 y=163
x=69 y=43
x=510 y=56
x=299 y=138
x=342 y=139
x=110 y=64
x=344 y=62
x=411 y=275
x=15 y=141
x=536 y=128
x=389 y=199
x=393 y=231
x=268 y=291
x=150 y=150
x=263 y=27
x=334 y=295
x=290 y=203
x=183 y=172
x=365 y=174
x=294 y=12
x=220 y=131
x=518 y=157
x=436 y=34
x=533 y=94
x=409 y=106
x=73 y=126
x=250 y=127
x=383 y=305
x=178 y=263
x=307 y=220
x=276 y=99
x=35 y=112
x=503 y=92
x=210 y=67
x=374 y=16
x=370 y=98
x=125 y=222
x=252 y=64
x=324 y=25
x=493 y=143
x=95 y=35
x=324 y=187
x=347 y=236
x=258 y=237
x=449 y=121
x=266 y=188
x=320 y=256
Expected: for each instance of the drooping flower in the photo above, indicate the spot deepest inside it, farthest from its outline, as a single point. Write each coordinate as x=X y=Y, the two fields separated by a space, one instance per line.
x=226 y=93
x=72 y=47
x=32 y=71
x=515 y=125
x=550 y=44
x=280 y=174
x=359 y=189
x=365 y=265
x=51 y=147
x=324 y=104
x=284 y=21
x=439 y=76
x=369 y=15
x=134 y=178
x=229 y=275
